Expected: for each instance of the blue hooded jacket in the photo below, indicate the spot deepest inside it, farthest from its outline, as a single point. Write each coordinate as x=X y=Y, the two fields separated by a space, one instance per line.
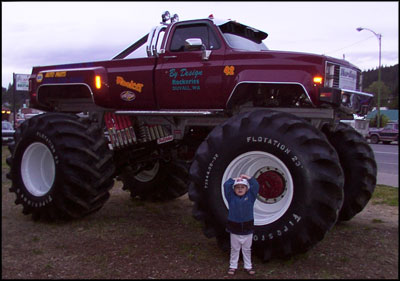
x=241 y=208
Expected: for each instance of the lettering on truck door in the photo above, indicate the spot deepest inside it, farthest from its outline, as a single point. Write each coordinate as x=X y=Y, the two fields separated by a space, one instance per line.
x=183 y=79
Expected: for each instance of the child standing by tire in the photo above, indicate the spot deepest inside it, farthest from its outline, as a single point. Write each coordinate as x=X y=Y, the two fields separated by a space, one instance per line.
x=241 y=194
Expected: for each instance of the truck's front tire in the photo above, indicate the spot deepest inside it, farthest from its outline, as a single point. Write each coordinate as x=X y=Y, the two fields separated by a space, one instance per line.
x=301 y=181
x=61 y=168
x=358 y=163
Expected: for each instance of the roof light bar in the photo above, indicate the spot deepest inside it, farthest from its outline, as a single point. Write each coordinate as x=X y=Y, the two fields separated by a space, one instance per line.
x=166 y=16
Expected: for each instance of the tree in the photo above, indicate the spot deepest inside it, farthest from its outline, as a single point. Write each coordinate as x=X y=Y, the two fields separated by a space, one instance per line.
x=390 y=76
x=383 y=121
x=385 y=96
x=8 y=99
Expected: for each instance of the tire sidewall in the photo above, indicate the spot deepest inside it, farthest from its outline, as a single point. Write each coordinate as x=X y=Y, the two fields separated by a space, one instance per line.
x=272 y=143
x=29 y=137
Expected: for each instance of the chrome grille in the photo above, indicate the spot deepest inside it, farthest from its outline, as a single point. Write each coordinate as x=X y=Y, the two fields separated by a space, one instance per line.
x=336 y=76
x=332 y=76
x=332 y=73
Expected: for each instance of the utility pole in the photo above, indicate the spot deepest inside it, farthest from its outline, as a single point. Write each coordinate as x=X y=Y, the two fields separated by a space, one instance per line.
x=14 y=114
x=379 y=36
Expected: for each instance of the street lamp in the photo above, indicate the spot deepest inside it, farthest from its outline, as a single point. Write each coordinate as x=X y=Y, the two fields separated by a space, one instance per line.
x=379 y=36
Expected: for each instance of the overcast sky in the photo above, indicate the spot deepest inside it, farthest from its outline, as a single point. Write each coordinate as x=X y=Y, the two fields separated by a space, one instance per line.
x=46 y=33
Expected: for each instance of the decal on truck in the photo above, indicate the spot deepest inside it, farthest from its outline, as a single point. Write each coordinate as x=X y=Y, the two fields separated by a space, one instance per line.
x=39 y=77
x=188 y=79
x=127 y=96
x=229 y=70
x=130 y=85
x=56 y=74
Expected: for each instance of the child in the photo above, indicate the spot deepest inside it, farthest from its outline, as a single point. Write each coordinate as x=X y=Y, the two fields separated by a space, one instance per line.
x=241 y=194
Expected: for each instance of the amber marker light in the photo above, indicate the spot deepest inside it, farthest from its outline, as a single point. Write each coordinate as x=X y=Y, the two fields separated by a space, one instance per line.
x=98 y=81
x=317 y=80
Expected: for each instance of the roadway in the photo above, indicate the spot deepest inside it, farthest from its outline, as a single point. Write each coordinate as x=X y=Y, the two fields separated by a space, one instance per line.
x=387 y=160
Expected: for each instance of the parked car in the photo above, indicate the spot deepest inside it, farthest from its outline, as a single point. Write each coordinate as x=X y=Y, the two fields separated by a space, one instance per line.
x=386 y=134
x=7 y=132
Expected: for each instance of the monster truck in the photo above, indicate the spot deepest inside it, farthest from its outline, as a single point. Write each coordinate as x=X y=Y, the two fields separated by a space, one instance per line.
x=208 y=101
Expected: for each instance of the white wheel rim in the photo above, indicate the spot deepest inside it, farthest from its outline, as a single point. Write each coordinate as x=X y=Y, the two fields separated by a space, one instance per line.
x=254 y=163
x=38 y=169
x=148 y=175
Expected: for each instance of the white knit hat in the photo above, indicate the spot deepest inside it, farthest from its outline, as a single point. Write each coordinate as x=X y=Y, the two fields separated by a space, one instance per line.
x=241 y=181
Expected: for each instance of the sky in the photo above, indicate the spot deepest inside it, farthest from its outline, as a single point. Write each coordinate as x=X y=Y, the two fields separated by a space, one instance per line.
x=49 y=33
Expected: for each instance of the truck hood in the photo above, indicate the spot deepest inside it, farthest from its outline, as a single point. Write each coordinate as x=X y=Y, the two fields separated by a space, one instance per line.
x=301 y=57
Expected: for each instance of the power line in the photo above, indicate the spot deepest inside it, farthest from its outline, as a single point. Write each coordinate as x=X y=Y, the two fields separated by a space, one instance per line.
x=349 y=45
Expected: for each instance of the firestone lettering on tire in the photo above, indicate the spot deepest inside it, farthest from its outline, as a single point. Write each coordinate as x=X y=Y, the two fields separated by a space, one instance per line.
x=209 y=168
x=50 y=145
x=278 y=232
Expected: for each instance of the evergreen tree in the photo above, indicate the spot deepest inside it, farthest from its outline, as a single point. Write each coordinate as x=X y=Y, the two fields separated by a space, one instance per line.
x=384 y=94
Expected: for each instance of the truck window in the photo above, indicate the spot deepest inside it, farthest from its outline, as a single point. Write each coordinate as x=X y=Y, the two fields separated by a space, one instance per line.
x=239 y=36
x=201 y=31
x=138 y=53
x=242 y=43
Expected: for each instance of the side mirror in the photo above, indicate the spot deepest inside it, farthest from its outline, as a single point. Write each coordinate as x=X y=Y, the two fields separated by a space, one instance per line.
x=195 y=44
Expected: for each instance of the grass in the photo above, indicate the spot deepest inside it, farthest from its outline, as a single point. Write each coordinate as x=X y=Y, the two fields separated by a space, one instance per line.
x=387 y=195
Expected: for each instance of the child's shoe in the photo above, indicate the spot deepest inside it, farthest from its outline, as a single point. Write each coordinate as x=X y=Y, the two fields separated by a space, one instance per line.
x=231 y=271
x=251 y=271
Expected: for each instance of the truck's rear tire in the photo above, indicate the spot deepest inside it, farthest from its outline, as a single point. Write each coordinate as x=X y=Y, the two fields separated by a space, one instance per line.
x=358 y=163
x=160 y=181
x=301 y=181
x=61 y=168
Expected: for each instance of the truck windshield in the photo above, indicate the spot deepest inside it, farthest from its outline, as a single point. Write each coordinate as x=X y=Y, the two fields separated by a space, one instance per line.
x=243 y=37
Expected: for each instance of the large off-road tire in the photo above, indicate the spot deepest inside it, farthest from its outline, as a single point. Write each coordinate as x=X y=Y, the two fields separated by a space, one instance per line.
x=301 y=181
x=358 y=163
x=61 y=168
x=160 y=181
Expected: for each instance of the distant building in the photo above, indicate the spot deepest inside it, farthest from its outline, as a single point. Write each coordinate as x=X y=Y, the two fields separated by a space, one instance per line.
x=392 y=114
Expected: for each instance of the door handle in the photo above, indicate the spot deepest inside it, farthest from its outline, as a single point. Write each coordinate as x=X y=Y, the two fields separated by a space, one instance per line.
x=170 y=57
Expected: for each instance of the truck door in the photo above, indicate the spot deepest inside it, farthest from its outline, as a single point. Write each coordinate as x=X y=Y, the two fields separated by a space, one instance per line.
x=183 y=79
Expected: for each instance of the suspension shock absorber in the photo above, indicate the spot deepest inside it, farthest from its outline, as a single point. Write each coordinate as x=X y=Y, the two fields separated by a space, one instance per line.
x=118 y=132
x=121 y=129
x=144 y=133
x=130 y=128
x=126 y=129
x=111 y=130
